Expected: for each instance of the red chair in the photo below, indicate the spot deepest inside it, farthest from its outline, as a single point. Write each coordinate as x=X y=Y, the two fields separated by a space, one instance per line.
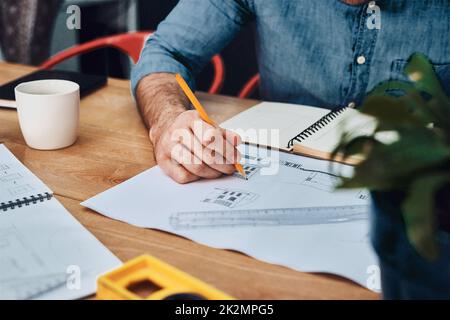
x=130 y=44
x=250 y=87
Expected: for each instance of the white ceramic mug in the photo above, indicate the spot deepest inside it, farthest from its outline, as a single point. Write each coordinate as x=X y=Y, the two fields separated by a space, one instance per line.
x=48 y=113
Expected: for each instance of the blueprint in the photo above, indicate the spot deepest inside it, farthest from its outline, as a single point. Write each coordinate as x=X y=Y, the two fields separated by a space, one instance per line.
x=221 y=213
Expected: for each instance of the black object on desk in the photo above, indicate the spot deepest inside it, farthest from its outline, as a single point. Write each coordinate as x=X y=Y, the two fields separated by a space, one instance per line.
x=88 y=83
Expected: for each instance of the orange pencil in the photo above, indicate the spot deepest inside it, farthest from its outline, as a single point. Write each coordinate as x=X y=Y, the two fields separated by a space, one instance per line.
x=193 y=99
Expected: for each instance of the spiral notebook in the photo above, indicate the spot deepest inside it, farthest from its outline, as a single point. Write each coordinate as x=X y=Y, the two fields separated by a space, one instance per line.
x=19 y=187
x=41 y=243
x=305 y=130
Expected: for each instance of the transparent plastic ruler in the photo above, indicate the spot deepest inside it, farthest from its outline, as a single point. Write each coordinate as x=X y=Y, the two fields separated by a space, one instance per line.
x=268 y=217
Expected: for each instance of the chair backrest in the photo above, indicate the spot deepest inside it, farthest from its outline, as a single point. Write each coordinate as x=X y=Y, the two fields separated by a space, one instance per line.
x=249 y=87
x=130 y=44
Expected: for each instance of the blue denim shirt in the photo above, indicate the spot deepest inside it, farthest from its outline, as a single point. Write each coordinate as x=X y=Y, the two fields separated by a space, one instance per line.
x=319 y=52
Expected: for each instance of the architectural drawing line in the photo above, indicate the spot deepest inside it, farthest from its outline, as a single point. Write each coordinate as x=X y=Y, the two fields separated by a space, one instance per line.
x=300 y=167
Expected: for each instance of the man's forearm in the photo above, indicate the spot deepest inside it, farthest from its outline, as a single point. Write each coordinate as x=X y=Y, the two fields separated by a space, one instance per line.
x=186 y=148
x=160 y=99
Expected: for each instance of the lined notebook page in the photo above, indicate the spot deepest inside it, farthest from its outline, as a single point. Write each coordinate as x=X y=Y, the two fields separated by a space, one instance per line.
x=16 y=181
x=288 y=119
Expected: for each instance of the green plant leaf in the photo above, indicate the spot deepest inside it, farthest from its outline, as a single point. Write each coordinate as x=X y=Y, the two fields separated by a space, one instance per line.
x=419 y=161
x=441 y=109
x=423 y=79
x=386 y=87
x=420 y=70
x=393 y=112
x=350 y=146
x=419 y=212
x=393 y=166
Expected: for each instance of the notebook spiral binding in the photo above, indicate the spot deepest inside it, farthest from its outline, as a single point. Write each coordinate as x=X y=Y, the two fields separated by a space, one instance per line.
x=11 y=205
x=316 y=126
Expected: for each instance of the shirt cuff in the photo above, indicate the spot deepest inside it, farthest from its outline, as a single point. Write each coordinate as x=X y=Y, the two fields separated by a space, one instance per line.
x=158 y=63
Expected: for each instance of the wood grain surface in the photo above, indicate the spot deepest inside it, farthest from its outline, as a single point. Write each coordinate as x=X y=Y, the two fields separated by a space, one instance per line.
x=112 y=147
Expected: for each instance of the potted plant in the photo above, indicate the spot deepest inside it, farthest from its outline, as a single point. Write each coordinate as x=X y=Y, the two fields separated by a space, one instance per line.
x=409 y=180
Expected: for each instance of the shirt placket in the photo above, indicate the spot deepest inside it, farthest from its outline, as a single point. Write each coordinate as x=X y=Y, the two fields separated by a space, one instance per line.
x=363 y=51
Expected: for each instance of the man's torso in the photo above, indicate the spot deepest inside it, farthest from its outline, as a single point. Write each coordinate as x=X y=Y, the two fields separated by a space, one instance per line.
x=324 y=52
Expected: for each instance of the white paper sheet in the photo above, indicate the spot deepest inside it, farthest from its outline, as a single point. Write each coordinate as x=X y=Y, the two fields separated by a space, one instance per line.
x=43 y=250
x=45 y=253
x=151 y=199
x=328 y=137
x=287 y=119
x=16 y=181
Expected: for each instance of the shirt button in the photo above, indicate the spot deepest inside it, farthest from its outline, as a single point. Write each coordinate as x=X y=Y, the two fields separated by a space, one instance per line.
x=352 y=105
x=361 y=60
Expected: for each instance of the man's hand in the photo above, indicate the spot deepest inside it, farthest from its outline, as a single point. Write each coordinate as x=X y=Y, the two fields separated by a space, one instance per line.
x=186 y=148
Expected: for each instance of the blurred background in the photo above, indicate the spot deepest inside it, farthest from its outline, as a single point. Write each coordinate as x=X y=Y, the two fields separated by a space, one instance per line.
x=33 y=30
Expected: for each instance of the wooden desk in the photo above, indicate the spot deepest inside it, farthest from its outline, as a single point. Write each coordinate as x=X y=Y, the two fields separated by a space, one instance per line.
x=112 y=147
